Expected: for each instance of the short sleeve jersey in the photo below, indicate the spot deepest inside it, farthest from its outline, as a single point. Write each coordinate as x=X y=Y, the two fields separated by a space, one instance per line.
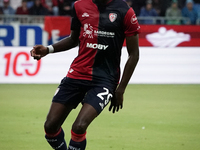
x=102 y=33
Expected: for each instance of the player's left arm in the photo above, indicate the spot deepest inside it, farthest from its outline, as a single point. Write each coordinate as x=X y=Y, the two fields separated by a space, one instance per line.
x=133 y=52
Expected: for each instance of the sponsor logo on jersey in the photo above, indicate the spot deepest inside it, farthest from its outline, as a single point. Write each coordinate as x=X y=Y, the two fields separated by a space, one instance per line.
x=104 y=33
x=85 y=15
x=97 y=46
x=112 y=17
x=88 y=31
x=134 y=19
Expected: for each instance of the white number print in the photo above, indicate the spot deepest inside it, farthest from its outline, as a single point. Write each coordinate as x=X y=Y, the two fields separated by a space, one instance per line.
x=106 y=99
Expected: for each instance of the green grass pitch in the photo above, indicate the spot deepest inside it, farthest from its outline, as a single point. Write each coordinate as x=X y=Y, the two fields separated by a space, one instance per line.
x=154 y=117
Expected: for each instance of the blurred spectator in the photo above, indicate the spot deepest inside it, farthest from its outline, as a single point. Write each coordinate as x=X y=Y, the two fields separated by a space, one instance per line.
x=30 y=3
x=65 y=7
x=157 y=6
x=23 y=9
x=197 y=1
x=164 y=4
x=1 y=11
x=1 y=3
x=1 y=7
x=52 y=6
x=173 y=12
x=197 y=7
x=15 y=3
x=6 y=8
x=148 y=11
x=181 y=3
x=38 y=9
x=190 y=12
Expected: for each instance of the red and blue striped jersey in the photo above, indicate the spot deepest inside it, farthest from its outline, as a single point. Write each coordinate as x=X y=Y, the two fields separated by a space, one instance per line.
x=103 y=29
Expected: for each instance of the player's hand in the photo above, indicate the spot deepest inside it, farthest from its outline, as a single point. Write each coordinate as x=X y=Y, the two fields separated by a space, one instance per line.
x=39 y=51
x=116 y=101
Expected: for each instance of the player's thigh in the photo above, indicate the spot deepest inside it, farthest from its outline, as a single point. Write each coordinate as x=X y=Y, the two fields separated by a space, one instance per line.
x=99 y=97
x=94 y=102
x=56 y=116
x=69 y=92
x=86 y=115
x=67 y=97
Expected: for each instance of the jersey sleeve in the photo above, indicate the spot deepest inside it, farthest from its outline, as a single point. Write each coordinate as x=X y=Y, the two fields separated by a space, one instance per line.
x=75 y=23
x=131 y=25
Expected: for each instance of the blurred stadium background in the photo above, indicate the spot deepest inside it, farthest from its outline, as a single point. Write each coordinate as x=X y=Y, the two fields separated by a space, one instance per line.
x=161 y=103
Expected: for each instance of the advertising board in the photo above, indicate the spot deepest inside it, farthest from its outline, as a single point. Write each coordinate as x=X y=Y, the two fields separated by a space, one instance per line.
x=56 y=28
x=168 y=53
x=156 y=65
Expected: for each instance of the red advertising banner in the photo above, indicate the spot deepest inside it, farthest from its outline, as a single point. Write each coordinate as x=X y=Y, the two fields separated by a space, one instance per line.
x=57 y=28
x=169 y=35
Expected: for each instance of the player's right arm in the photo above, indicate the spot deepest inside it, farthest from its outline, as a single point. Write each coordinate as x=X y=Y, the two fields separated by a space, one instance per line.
x=67 y=43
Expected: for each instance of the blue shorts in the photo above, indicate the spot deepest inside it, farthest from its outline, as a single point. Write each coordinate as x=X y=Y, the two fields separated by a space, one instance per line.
x=75 y=91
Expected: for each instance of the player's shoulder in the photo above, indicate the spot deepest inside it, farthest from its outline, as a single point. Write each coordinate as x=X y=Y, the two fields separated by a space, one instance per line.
x=82 y=2
x=80 y=5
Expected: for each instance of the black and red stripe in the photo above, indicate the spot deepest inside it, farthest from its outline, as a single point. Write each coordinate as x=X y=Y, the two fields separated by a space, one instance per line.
x=102 y=33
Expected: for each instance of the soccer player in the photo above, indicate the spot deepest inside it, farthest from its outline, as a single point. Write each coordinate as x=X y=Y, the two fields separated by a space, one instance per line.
x=99 y=28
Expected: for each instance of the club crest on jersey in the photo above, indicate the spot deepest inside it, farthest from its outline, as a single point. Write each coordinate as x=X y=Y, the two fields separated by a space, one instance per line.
x=112 y=17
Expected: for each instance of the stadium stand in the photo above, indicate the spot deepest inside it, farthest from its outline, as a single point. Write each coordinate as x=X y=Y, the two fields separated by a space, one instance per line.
x=63 y=8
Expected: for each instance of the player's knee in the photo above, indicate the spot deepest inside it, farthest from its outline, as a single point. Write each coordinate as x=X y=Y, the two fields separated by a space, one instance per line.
x=79 y=127
x=50 y=127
